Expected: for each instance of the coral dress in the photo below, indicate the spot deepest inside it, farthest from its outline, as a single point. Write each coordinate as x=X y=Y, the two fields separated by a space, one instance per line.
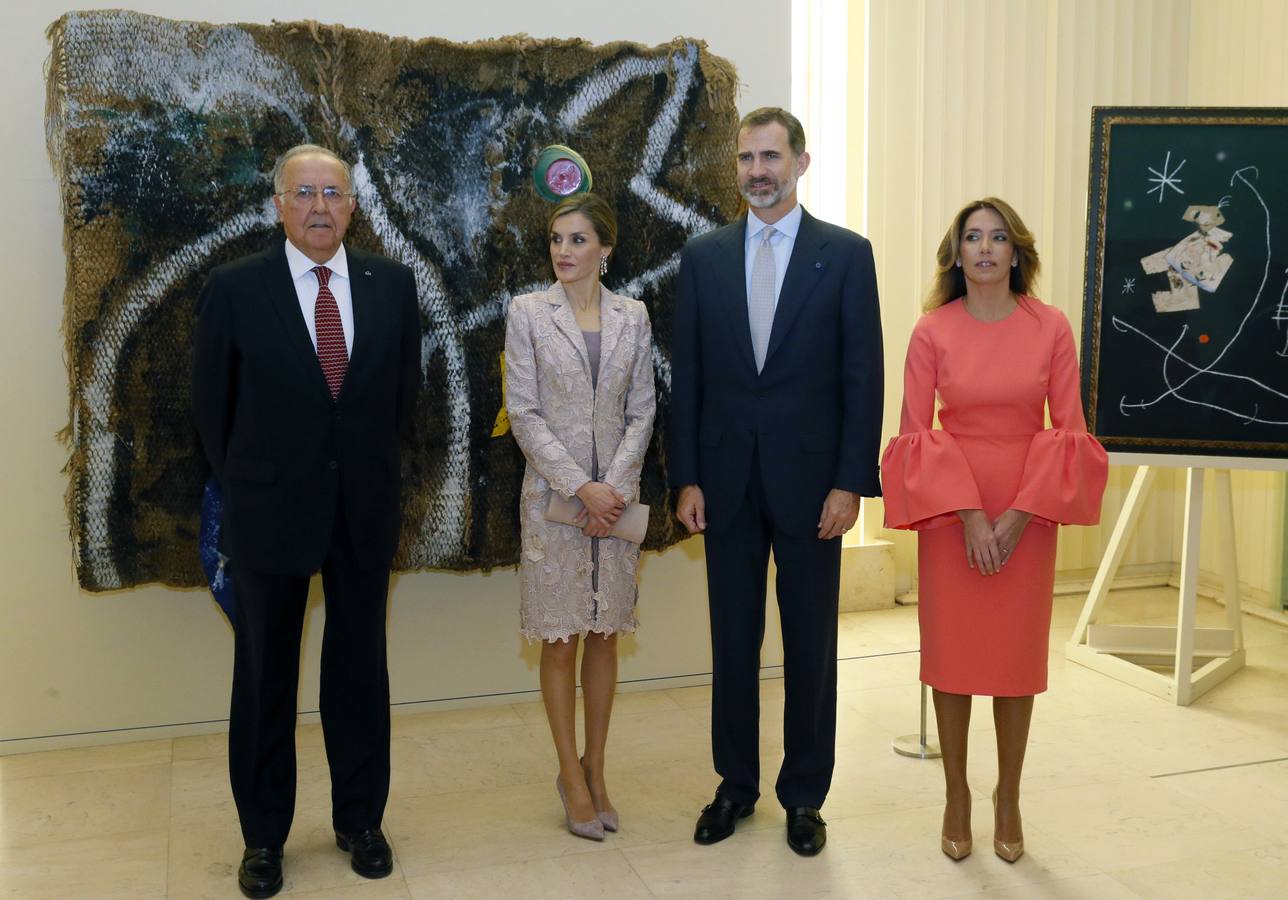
x=988 y=634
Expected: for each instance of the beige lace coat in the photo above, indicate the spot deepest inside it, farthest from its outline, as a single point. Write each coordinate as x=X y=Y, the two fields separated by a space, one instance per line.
x=555 y=414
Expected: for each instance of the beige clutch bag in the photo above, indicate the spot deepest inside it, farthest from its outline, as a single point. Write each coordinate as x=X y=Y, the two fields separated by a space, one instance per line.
x=631 y=526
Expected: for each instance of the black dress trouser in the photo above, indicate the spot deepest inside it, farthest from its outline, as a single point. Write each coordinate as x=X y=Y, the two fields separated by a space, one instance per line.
x=354 y=700
x=808 y=588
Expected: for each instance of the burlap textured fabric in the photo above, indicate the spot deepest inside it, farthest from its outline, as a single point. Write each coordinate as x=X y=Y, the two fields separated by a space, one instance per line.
x=163 y=134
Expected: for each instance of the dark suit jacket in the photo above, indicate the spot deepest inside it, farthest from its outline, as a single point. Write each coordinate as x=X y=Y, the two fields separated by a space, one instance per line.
x=814 y=412
x=287 y=455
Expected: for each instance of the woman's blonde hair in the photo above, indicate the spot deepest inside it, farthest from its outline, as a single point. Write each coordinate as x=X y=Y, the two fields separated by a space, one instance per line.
x=950 y=281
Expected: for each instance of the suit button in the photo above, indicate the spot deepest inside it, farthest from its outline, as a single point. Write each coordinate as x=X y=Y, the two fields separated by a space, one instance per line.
x=336 y=417
x=333 y=465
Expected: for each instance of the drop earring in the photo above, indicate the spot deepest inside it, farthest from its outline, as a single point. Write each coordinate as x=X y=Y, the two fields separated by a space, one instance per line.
x=603 y=266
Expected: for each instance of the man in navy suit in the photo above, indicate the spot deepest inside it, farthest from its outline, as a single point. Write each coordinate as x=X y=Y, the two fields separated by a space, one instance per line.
x=775 y=424
x=307 y=363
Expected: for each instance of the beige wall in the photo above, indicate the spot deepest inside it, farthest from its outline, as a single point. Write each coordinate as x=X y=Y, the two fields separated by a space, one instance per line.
x=73 y=662
x=995 y=97
x=939 y=72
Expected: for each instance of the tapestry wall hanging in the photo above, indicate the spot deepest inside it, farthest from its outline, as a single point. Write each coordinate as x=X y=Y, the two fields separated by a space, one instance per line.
x=163 y=135
x=1185 y=322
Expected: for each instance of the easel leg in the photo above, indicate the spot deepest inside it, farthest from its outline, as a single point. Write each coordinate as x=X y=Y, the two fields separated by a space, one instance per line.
x=1230 y=560
x=1117 y=546
x=1189 y=583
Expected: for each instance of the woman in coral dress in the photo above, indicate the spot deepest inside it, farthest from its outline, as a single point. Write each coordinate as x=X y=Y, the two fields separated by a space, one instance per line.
x=985 y=492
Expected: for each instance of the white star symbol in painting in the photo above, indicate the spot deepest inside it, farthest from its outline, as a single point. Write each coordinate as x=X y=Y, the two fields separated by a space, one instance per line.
x=1129 y=286
x=1166 y=178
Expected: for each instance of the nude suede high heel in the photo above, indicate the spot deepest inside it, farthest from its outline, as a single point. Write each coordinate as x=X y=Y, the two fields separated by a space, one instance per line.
x=1008 y=850
x=607 y=817
x=593 y=829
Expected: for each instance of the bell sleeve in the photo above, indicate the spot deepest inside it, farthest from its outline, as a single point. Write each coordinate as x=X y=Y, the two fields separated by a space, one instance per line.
x=1066 y=468
x=924 y=474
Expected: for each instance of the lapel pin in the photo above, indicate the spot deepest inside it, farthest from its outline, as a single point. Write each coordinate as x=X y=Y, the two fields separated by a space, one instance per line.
x=366 y=271
x=818 y=265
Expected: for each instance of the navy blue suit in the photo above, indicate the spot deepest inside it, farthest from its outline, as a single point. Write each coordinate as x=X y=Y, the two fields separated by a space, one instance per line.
x=766 y=448
x=310 y=484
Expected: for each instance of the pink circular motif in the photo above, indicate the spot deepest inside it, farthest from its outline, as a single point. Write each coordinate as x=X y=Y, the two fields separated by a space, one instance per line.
x=563 y=177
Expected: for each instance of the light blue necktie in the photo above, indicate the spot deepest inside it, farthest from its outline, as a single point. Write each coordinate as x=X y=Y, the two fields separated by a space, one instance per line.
x=760 y=304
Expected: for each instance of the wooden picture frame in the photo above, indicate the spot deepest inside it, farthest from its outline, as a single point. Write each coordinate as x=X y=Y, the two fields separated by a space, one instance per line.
x=1185 y=320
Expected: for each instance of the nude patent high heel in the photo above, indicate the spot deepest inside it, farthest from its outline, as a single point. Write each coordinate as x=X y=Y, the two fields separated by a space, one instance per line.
x=1008 y=850
x=957 y=849
x=593 y=829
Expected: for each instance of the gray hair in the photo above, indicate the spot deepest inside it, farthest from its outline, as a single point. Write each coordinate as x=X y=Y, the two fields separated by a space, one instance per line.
x=279 y=183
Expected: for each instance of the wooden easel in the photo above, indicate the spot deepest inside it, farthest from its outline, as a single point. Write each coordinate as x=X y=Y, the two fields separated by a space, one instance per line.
x=1131 y=653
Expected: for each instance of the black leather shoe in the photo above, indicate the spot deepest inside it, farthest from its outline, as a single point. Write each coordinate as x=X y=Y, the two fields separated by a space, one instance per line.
x=806 y=830
x=260 y=874
x=370 y=853
x=718 y=817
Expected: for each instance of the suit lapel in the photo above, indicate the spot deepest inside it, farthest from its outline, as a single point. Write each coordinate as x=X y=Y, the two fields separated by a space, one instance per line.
x=612 y=320
x=279 y=287
x=362 y=291
x=566 y=322
x=731 y=267
x=803 y=272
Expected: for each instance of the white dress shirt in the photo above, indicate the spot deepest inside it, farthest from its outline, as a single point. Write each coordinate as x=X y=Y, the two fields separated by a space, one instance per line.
x=306 y=289
x=781 y=243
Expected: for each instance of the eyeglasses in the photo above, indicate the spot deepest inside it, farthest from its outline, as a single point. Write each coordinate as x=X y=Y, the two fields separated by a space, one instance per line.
x=305 y=194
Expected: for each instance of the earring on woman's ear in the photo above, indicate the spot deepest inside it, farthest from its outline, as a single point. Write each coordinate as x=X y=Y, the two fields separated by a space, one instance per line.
x=959 y=263
x=603 y=265
x=1015 y=263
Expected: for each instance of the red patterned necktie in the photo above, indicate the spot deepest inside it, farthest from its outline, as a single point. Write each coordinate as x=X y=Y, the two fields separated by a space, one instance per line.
x=326 y=319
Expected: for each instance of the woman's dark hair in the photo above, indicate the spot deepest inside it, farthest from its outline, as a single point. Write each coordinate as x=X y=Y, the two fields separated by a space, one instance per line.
x=593 y=207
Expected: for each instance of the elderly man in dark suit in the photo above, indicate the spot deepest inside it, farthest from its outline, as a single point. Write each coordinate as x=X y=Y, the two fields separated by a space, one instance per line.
x=775 y=423
x=307 y=363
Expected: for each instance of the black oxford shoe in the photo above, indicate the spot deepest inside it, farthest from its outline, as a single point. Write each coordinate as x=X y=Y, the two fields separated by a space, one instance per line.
x=806 y=830
x=718 y=817
x=260 y=874
x=369 y=852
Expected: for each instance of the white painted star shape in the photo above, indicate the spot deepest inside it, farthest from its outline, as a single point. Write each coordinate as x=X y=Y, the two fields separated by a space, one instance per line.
x=1166 y=178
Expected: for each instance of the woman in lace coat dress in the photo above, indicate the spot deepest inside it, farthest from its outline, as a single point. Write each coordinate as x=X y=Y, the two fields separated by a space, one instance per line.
x=580 y=399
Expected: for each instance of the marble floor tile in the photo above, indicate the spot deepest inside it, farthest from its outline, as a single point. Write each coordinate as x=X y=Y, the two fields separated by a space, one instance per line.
x=1083 y=887
x=626 y=704
x=201 y=746
x=88 y=759
x=454 y=761
x=499 y=826
x=473 y=811
x=206 y=849
x=1141 y=819
x=128 y=865
x=1252 y=793
x=887 y=855
x=392 y=887
x=419 y=724
x=84 y=805
x=606 y=875
x=1259 y=873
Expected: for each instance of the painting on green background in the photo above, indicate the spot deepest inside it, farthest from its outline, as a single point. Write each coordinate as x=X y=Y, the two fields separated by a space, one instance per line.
x=1185 y=343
